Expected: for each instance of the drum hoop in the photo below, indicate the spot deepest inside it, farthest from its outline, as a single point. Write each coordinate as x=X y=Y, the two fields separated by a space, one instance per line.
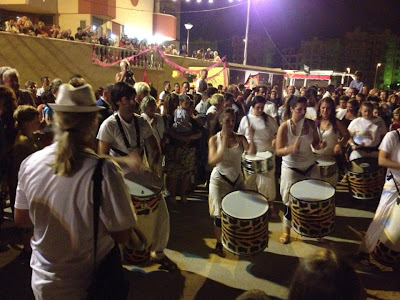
x=330 y=198
x=250 y=218
x=378 y=167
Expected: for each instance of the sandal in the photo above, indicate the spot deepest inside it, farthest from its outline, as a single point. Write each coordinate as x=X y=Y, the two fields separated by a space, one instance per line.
x=219 y=250
x=285 y=238
x=166 y=263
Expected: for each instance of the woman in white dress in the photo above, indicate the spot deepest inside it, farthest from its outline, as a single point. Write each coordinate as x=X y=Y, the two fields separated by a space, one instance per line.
x=293 y=141
x=225 y=154
x=265 y=129
x=333 y=133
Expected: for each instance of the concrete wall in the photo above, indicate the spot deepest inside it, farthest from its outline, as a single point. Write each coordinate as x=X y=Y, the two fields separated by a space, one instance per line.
x=35 y=57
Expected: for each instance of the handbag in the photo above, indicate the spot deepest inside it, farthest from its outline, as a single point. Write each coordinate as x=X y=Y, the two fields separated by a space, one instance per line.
x=108 y=277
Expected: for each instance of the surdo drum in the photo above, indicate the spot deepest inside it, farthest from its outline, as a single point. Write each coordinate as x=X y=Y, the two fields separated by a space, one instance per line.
x=145 y=190
x=366 y=178
x=244 y=222
x=387 y=250
x=261 y=162
x=327 y=167
x=312 y=203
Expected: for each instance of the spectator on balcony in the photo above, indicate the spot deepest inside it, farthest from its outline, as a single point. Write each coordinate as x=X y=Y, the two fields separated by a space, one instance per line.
x=28 y=28
x=11 y=79
x=216 y=56
x=20 y=24
x=200 y=54
x=126 y=75
x=183 y=51
x=55 y=31
x=41 y=30
x=80 y=34
x=103 y=40
x=209 y=54
x=11 y=26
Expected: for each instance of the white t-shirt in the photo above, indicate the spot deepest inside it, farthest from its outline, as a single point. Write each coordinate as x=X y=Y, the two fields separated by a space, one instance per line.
x=158 y=126
x=263 y=134
x=163 y=94
x=270 y=109
x=202 y=107
x=212 y=110
x=340 y=113
x=61 y=210
x=366 y=131
x=311 y=113
x=391 y=144
x=109 y=132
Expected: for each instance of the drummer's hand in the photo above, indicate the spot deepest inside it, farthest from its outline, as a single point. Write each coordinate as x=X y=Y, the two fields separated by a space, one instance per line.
x=273 y=143
x=337 y=150
x=133 y=161
x=224 y=141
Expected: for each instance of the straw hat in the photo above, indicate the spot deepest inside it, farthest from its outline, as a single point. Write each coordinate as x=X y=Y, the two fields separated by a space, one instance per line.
x=75 y=100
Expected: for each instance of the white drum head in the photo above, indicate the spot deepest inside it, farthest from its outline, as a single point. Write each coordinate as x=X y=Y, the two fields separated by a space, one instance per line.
x=143 y=184
x=258 y=156
x=312 y=190
x=245 y=204
x=325 y=162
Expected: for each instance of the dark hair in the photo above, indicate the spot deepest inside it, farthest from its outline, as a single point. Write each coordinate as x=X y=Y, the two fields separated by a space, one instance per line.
x=186 y=83
x=325 y=276
x=225 y=111
x=48 y=97
x=211 y=91
x=332 y=114
x=119 y=90
x=183 y=98
x=229 y=97
x=43 y=79
x=368 y=104
x=344 y=98
x=372 y=98
x=311 y=92
x=169 y=103
x=258 y=99
x=354 y=103
x=246 y=93
x=292 y=103
x=166 y=82
x=202 y=86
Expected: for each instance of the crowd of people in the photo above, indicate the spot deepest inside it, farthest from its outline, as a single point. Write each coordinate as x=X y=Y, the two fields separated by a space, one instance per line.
x=184 y=135
x=93 y=34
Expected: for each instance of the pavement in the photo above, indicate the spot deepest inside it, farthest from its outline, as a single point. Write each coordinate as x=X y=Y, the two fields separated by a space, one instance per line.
x=204 y=275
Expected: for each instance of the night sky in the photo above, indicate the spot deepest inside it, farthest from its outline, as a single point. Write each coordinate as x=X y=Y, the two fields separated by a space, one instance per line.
x=288 y=21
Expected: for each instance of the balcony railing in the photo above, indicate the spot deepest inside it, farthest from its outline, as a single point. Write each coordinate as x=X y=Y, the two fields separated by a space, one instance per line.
x=150 y=59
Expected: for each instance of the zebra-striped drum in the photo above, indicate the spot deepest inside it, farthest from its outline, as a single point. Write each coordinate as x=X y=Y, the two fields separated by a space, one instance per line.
x=244 y=222
x=387 y=250
x=145 y=190
x=312 y=204
x=366 y=178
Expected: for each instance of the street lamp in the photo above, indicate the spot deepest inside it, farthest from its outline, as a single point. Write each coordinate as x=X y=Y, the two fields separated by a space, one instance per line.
x=376 y=72
x=348 y=75
x=247 y=33
x=188 y=26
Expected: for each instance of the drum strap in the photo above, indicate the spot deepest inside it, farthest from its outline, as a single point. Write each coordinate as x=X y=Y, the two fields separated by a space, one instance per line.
x=303 y=173
x=119 y=152
x=121 y=129
x=227 y=179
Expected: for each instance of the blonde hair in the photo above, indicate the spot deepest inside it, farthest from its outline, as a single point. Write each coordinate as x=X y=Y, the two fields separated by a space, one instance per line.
x=146 y=102
x=74 y=133
x=141 y=88
x=216 y=99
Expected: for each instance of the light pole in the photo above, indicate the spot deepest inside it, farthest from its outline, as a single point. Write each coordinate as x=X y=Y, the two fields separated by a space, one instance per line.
x=348 y=75
x=376 y=72
x=188 y=26
x=247 y=33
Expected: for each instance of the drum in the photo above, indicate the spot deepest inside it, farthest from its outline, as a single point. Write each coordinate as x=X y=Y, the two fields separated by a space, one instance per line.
x=244 y=222
x=366 y=178
x=312 y=204
x=145 y=190
x=327 y=166
x=387 y=250
x=261 y=162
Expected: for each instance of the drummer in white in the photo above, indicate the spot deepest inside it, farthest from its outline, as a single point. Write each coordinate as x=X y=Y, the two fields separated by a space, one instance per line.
x=265 y=129
x=389 y=157
x=293 y=143
x=332 y=133
x=225 y=154
x=123 y=136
